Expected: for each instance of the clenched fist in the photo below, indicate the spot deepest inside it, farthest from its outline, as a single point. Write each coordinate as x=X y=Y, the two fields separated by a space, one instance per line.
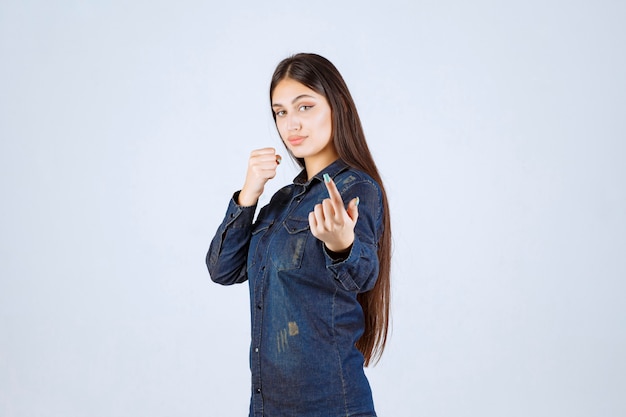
x=261 y=168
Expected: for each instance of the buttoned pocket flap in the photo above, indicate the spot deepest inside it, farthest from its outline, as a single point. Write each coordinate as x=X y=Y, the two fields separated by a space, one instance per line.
x=294 y=226
x=260 y=227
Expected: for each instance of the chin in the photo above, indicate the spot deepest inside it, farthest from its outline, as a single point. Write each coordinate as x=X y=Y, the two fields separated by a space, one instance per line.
x=297 y=153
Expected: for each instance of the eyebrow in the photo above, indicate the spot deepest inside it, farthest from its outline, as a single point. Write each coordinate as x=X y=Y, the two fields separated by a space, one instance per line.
x=294 y=100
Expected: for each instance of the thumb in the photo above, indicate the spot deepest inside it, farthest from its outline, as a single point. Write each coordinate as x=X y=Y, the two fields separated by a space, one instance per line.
x=353 y=209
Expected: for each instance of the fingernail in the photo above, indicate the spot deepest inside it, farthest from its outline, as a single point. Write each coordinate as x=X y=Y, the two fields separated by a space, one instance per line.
x=278 y=159
x=356 y=203
x=326 y=178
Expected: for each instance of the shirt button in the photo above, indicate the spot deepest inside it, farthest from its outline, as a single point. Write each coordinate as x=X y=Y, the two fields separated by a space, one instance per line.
x=258 y=390
x=256 y=350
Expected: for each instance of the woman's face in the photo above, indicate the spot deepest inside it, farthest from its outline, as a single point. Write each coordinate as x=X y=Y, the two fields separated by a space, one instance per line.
x=304 y=121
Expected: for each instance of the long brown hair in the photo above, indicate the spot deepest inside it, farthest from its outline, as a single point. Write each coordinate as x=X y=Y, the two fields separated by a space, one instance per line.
x=320 y=75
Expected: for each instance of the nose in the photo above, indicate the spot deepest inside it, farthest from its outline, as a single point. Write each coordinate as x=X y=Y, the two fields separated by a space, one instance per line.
x=293 y=122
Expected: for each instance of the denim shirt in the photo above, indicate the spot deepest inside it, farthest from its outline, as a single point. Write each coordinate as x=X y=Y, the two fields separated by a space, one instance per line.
x=304 y=310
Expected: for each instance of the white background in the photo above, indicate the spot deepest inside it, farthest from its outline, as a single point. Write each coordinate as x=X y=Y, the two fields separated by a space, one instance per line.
x=500 y=133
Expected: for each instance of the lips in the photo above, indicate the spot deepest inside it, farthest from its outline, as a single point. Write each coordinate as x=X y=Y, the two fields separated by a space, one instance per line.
x=295 y=140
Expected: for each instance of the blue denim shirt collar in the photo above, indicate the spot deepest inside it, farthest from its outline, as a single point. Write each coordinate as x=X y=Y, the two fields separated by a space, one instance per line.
x=333 y=170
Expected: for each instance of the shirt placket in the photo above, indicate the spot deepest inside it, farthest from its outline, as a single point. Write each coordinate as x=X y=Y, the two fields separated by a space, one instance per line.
x=259 y=298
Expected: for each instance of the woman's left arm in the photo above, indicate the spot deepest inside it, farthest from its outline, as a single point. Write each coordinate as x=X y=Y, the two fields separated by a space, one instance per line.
x=351 y=234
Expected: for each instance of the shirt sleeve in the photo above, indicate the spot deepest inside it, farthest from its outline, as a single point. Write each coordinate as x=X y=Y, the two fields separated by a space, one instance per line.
x=358 y=269
x=227 y=256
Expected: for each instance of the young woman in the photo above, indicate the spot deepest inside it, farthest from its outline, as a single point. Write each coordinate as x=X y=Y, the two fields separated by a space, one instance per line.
x=317 y=258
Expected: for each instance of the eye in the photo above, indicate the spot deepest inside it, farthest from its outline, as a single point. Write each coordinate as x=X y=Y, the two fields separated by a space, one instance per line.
x=280 y=113
x=304 y=108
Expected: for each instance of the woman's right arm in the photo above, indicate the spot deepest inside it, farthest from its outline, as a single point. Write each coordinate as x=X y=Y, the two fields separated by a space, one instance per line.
x=227 y=256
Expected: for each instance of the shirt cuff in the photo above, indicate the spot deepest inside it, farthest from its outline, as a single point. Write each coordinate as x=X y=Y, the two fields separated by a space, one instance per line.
x=239 y=216
x=338 y=256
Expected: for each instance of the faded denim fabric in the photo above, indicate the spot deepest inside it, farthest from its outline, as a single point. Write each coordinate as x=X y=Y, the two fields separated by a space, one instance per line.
x=304 y=311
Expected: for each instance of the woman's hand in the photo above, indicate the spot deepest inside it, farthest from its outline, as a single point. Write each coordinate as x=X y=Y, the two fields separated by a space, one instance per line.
x=331 y=222
x=261 y=168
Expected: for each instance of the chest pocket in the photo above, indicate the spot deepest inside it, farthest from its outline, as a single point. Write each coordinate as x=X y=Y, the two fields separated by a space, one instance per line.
x=290 y=246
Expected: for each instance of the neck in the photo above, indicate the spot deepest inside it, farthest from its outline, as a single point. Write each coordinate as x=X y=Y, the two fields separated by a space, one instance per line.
x=314 y=165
